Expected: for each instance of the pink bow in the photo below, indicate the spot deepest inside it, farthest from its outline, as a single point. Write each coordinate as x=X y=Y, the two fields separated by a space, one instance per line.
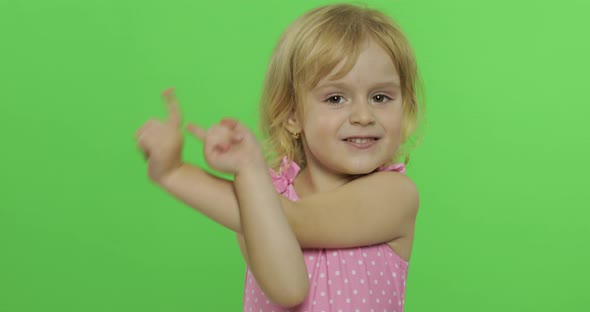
x=283 y=181
x=400 y=167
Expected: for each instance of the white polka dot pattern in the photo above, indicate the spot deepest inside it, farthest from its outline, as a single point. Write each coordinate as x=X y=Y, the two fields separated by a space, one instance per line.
x=369 y=278
x=379 y=286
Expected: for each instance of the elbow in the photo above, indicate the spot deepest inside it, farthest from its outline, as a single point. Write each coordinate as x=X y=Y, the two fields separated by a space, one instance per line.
x=294 y=297
x=285 y=291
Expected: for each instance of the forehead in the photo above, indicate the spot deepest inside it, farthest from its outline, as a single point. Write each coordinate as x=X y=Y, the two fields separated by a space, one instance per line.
x=372 y=66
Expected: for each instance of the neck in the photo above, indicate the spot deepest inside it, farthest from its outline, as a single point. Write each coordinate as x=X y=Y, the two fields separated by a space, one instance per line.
x=315 y=178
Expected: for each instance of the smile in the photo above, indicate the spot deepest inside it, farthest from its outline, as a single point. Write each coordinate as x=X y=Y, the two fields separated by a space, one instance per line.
x=361 y=143
x=361 y=140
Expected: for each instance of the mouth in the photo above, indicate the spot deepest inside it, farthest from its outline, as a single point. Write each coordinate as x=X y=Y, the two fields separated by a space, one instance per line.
x=361 y=140
x=361 y=143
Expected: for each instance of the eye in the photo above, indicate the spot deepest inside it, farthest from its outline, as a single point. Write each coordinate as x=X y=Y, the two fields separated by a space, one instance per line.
x=335 y=99
x=381 y=98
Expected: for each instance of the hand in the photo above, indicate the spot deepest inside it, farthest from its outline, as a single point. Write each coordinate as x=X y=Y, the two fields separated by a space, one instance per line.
x=161 y=141
x=229 y=146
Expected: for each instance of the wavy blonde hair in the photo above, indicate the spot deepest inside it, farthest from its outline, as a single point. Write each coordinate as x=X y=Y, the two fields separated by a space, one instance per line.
x=310 y=49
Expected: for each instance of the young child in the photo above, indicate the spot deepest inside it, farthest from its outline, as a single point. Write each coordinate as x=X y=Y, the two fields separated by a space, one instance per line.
x=331 y=227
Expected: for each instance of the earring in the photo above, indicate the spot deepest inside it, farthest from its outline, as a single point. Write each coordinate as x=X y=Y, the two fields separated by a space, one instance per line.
x=295 y=135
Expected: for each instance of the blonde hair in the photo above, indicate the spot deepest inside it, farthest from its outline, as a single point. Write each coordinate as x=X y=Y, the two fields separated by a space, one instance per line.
x=310 y=49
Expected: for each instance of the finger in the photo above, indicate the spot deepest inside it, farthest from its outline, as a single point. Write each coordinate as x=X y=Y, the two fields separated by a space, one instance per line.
x=169 y=97
x=236 y=127
x=168 y=91
x=142 y=129
x=197 y=131
x=222 y=147
x=241 y=128
x=237 y=138
x=141 y=148
x=228 y=130
x=228 y=122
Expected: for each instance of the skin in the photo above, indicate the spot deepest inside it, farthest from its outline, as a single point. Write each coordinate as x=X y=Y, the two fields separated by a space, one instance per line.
x=250 y=205
x=340 y=205
x=367 y=101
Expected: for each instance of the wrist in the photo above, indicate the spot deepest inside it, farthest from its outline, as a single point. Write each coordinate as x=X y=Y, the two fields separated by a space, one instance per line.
x=164 y=178
x=252 y=166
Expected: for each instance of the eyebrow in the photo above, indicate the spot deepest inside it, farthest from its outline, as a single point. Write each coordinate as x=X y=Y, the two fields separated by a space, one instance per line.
x=339 y=84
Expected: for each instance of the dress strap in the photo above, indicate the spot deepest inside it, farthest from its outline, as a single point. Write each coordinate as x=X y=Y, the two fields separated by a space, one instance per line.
x=399 y=167
x=283 y=180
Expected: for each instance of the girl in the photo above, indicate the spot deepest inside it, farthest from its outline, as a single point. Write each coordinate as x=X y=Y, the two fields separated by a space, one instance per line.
x=331 y=227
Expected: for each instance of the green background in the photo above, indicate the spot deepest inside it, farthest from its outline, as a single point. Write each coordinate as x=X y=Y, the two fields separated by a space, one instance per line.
x=502 y=169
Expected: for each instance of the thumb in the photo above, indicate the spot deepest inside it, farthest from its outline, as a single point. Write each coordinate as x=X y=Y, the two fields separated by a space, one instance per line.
x=197 y=131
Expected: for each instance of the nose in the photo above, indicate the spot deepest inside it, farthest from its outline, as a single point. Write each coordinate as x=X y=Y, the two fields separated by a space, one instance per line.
x=362 y=114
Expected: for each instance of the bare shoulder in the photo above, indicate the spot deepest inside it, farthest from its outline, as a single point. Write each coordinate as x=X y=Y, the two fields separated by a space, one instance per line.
x=386 y=180
x=385 y=187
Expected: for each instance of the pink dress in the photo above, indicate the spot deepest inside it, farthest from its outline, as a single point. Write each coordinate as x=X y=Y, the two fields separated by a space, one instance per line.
x=369 y=278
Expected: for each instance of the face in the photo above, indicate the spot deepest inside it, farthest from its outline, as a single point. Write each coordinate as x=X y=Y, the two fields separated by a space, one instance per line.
x=353 y=125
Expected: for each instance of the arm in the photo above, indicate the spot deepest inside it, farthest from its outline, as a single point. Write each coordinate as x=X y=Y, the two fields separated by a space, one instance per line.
x=212 y=196
x=275 y=256
x=229 y=148
x=325 y=220
x=250 y=206
x=161 y=142
x=373 y=209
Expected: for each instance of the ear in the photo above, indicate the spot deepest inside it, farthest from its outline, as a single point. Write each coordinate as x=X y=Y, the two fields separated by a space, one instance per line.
x=293 y=123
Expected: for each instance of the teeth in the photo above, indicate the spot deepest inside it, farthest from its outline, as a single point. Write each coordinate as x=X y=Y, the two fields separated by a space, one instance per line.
x=359 y=141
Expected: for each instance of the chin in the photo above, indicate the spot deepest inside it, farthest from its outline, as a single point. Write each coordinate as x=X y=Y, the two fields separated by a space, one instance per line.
x=360 y=168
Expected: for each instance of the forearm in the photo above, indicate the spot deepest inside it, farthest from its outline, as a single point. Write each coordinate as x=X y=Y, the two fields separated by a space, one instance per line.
x=212 y=196
x=274 y=253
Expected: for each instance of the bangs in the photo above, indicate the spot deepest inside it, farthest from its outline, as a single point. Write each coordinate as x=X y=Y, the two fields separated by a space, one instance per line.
x=337 y=40
x=325 y=43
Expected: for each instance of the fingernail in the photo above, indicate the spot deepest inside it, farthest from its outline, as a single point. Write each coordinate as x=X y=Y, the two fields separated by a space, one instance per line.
x=168 y=92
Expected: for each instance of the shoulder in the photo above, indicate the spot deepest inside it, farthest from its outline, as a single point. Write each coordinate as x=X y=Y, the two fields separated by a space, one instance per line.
x=391 y=176
x=386 y=184
x=391 y=193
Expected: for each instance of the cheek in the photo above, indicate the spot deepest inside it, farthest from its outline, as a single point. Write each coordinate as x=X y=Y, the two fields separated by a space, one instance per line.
x=318 y=122
x=315 y=130
x=394 y=127
x=319 y=133
x=396 y=132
